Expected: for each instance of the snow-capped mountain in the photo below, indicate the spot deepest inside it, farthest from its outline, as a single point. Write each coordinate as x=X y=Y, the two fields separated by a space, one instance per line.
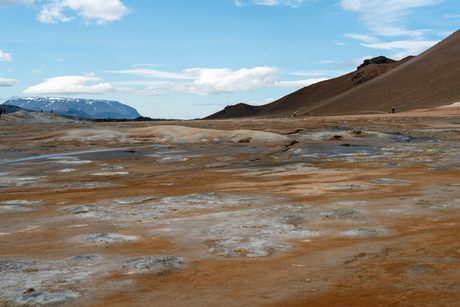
x=77 y=107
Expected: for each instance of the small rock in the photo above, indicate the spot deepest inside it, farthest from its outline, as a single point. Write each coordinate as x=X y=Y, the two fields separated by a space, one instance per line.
x=29 y=290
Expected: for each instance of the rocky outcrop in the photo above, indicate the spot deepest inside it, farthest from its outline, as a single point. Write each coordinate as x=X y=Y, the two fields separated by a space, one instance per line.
x=376 y=60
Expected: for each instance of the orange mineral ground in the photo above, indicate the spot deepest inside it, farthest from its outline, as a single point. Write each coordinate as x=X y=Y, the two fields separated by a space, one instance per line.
x=318 y=211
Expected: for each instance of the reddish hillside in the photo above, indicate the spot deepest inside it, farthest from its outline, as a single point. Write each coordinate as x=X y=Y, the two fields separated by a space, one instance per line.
x=428 y=80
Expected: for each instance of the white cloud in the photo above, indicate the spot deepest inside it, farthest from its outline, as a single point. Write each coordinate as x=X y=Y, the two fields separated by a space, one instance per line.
x=100 y=11
x=70 y=85
x=362 y=37
x=290 y=3
x=212 y=81
x=388 y=17
x=15 y=2
x=260 y=102
x=404 y=48
x=8 y=82
x=5 y=57
x=151 y=73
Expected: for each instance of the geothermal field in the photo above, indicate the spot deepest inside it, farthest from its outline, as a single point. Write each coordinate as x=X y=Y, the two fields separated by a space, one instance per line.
x=316 y=211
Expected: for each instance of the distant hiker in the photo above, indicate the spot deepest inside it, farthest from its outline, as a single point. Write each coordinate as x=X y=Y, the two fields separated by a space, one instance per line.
x=4 y=111
x=1 y=113
x=389 y=110
x=392 y=109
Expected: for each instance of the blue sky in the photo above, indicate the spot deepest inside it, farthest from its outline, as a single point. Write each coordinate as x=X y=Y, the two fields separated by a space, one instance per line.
x=189 y=59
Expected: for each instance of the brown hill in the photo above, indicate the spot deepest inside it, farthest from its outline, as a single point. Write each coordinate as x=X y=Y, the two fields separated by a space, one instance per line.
x=425 y=81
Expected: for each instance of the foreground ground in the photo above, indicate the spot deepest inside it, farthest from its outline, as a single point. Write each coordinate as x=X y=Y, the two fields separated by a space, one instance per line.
x=337 y=211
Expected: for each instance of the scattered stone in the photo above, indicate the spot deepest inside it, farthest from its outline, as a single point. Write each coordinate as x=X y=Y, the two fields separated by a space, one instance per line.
x=44 y=298
x=157 y=264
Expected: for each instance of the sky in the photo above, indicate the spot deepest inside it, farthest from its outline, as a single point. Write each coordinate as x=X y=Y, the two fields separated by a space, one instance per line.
x=188 y=59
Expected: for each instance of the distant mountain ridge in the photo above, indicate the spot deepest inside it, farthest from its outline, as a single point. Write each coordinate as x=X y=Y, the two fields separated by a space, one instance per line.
x=77 y=107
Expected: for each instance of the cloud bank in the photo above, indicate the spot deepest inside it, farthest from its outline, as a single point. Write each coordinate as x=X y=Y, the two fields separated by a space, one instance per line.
x=196 y=81
x=55 y=11
x=389 y=18
x=70 y=85
x=212 y=81
x=100 y=11
x=8 y=82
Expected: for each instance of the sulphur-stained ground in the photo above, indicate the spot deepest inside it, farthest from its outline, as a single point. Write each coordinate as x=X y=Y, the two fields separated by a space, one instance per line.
x=330 y=211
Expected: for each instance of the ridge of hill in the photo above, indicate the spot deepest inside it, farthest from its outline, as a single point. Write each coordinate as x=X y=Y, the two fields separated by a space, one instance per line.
x=77 y=107
x=424 y=81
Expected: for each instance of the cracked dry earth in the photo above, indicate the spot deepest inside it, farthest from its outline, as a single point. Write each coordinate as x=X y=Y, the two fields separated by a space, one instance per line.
x=333 y=211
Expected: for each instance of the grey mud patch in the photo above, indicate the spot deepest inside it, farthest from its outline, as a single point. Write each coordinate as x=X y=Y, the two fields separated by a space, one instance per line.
x=368 y=232
x=388 y=180
x=258 y=232
x=211 y=199
x=348 y=187
x=343 y=214
x=86 y=210
x=12 y=265
x=18 y=205
x=237 y=247
x=84 y=258
x=14 y=208
x=44 y=298
x=155 y=264
x=19 y=275
x=106 y=238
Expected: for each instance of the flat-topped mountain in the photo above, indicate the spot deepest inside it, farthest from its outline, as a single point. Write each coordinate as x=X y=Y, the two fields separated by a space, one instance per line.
x=77 y=107
x=425 y=81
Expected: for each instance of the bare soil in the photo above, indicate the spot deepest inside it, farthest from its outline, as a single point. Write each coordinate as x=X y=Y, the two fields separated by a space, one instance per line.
x=318 y=211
